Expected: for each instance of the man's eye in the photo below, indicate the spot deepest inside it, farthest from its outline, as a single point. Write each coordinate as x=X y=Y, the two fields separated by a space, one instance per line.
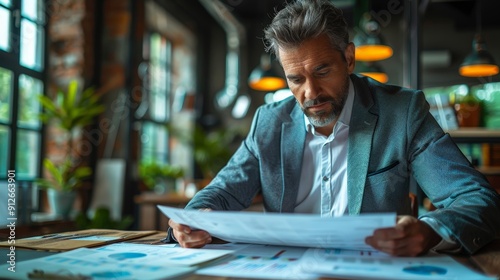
x=322 y=74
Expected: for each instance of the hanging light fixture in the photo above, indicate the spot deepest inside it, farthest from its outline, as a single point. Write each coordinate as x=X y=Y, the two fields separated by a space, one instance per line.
x=480 y=62
x=372 y=70
x=369 y=43
x=264 y=78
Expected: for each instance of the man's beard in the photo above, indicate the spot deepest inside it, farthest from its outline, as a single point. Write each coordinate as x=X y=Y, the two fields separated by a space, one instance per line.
x=325 y=117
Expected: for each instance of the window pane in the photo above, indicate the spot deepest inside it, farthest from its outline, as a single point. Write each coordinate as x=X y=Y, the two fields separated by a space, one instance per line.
x=5 y=94
x=29 y=107
x=4 y=29
x=28 y=145
x=5 y=2
x=154 y=143
x=31 y=45
x=32 y=9
x=4 y=150
x=159 y=77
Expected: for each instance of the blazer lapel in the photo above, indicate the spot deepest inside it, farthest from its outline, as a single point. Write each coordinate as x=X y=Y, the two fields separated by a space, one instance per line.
x=292 y=148
x=361 y=129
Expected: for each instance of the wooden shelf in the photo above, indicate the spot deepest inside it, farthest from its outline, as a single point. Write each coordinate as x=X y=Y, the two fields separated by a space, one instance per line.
x=489 y=170
x=475 y=135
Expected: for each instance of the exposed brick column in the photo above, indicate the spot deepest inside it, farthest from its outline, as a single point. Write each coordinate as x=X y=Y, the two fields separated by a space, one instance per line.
x=66 y=62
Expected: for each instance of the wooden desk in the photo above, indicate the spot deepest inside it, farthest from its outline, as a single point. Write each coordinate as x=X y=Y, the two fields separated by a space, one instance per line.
x=486 y=260
x=38 y=228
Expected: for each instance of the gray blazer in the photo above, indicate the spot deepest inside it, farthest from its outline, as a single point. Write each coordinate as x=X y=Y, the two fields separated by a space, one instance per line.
x=392 y=139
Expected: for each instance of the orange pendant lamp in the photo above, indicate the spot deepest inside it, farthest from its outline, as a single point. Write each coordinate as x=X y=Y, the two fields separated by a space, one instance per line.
x=264 y=78
x=372 y=70
x=369 y=43
x=480 y=62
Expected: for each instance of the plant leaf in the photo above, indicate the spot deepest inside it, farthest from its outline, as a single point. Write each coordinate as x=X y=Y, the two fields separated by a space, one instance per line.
x=71 y=95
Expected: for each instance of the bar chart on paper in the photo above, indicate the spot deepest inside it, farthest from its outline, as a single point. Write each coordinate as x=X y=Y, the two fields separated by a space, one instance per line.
x=261 y=261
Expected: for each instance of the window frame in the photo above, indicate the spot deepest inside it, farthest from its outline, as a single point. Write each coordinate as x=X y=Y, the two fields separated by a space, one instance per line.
x=11 y=60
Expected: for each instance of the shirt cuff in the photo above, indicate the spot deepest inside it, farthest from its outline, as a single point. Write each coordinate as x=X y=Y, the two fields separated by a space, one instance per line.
x=447 y=244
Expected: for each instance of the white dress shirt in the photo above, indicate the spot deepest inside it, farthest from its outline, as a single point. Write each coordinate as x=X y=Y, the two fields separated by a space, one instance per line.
x=323 y=179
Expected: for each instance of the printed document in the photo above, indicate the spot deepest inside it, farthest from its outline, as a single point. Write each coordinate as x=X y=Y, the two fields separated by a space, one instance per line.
x=260 y=261
x=81 y=264
x=351 y=264
x=302 y=230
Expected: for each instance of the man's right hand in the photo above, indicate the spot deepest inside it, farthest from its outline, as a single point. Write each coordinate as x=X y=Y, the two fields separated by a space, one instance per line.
x=189 y=238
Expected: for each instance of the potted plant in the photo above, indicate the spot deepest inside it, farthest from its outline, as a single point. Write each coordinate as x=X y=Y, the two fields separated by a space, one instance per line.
x=211 y=149
x=69 y=111
x=159 y=177
x=61 y=184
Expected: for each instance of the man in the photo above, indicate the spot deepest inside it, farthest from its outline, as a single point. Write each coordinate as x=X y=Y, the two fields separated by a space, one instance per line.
x=348 y=145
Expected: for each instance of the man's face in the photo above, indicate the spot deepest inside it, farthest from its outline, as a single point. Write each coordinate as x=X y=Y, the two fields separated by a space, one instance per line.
x=318 y=76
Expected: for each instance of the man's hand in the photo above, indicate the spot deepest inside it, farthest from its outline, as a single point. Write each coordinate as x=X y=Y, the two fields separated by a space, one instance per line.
x=410 y=237
x=189 y=238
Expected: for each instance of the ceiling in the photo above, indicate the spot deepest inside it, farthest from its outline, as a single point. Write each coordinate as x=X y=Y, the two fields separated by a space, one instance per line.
x=463 y=12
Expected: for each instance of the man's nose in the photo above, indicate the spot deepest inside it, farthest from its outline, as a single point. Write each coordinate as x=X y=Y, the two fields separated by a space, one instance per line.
x=311 y=89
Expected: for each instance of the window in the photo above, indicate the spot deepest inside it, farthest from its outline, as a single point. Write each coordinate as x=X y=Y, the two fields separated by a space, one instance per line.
x=154 y=135
x=22 y=49
x=168 y=76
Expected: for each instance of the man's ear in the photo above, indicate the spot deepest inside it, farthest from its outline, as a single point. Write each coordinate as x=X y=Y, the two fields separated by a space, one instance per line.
x=349 y=56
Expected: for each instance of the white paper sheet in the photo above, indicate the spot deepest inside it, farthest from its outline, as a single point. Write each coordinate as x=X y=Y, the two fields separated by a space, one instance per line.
x=80 y=262
x=353 y=264
x=156 y=254
x=261 y=261
x=303 y=230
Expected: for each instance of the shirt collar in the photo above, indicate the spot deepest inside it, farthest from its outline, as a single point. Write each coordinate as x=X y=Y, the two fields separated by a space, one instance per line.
x=345 y=115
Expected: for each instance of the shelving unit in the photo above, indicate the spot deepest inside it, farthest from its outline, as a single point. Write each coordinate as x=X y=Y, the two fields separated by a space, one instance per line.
x=483 y=136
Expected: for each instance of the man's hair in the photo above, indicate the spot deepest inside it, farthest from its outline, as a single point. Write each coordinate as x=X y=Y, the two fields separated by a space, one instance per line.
x=303 y=20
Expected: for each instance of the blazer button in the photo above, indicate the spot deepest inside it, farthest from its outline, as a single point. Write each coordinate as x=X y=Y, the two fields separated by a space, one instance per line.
x=477 y=241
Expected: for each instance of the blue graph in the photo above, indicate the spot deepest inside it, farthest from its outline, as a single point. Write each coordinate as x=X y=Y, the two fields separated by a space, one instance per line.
x=425 y=270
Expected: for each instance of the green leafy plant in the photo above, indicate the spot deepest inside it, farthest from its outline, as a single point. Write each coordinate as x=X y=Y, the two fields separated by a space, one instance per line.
x=69 y=110
x=152 y=173
x=211 y=149
x=64 y=177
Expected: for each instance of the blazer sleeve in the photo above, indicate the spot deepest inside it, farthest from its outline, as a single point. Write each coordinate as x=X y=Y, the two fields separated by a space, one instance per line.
x=467 y=206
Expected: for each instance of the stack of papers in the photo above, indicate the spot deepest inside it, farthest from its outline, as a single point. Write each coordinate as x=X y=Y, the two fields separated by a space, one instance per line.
x=115 y=261
x=302 y=230
x=331 y=247
x=76 y=239
x=322 y=247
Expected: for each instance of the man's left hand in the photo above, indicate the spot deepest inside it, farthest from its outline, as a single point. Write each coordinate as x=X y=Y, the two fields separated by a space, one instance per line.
x=410 y=237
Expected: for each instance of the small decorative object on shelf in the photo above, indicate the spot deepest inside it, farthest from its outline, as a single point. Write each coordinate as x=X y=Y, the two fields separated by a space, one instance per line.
x=468 y=111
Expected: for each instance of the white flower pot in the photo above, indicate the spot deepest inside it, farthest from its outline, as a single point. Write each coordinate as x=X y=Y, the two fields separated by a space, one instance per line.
x=61 y=202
